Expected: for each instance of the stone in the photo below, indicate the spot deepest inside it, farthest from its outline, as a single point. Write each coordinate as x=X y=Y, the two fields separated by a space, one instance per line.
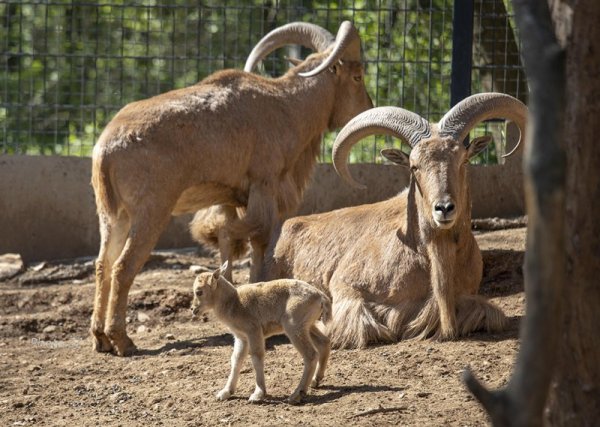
x=10 y=266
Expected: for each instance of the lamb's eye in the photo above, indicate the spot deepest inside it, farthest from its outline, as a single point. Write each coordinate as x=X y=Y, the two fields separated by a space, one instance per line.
x=199 y=292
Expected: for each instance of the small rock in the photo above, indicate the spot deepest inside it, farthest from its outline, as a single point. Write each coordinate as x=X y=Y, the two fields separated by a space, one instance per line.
x=48 y=329
x=423 y=394
x=10 y=266
x=39 y=266
x=170 y=336
x=143 y=317
x=141 y=329
x=34 y=368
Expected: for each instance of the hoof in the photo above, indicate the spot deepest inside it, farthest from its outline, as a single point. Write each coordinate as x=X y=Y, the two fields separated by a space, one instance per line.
x=122 y=345
x=296 y=398
x=315 y=382
x=257 y=397
x=223 y=395
x=101 y=343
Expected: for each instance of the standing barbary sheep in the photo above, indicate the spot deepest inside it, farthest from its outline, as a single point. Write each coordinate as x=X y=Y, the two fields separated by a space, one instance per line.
x=212 y=226
x=257 y=311
x=408 y=266
x=232 y=139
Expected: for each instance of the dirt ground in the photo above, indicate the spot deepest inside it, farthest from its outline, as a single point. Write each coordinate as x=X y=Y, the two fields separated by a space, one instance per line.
x=49 y=374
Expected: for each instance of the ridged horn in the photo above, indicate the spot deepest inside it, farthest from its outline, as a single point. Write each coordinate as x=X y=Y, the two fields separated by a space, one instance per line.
x=458 y=122
x=308 y=35
x=393 y=121
x=347 y=44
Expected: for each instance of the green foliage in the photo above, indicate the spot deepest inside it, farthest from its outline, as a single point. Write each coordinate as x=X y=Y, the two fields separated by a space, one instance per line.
x=67 y=67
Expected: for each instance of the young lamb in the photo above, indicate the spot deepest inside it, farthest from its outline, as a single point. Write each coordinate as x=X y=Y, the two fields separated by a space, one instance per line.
x=256 y=311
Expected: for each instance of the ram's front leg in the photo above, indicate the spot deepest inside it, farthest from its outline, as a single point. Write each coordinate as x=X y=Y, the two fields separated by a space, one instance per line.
x=260 y=222
x=442 y=256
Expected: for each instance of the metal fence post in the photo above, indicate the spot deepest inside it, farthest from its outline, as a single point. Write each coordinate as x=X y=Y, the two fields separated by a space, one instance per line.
x=462 y=51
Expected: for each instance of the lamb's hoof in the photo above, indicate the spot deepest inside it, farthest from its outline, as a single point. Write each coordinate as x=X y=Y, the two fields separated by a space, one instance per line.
x=122 y=345
x=223 y=395
x=296 y=398
x=257 y=397
x=315 y=382
x=101 y=343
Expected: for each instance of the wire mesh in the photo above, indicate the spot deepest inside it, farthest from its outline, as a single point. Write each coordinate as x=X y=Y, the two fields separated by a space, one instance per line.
x=67 y=66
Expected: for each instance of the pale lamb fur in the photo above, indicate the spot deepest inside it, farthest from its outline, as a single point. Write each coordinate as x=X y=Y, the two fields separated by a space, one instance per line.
x=399 y=268
x=256 y=311
x=232 y=139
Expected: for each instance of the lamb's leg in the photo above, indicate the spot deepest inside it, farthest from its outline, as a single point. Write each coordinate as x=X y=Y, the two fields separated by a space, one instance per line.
x=256 y=343
x=301 y=340
x=240 y=351
x=112 y=240
x=323 y=345
x=143 y=235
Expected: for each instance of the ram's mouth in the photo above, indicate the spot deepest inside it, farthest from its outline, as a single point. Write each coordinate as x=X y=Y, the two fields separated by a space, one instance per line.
x=444 y=223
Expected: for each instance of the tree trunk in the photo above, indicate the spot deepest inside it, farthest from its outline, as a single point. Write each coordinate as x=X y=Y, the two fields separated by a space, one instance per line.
x=575 y=392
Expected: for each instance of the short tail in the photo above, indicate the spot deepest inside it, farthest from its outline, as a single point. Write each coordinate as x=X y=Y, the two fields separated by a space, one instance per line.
x=106 y=201
x=325 y=308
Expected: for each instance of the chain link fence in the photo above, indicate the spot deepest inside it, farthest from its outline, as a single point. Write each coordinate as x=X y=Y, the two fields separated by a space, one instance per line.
x=67 y=66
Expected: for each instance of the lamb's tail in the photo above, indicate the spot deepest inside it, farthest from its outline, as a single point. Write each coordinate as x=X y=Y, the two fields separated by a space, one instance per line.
x=325 y=308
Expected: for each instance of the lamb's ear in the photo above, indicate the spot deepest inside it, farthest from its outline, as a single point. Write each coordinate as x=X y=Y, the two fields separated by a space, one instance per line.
x=223 y=268
x=397 y=156
x=478 y=145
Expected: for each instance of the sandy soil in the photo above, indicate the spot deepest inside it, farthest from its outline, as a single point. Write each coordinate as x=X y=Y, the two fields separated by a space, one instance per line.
x=49 y=374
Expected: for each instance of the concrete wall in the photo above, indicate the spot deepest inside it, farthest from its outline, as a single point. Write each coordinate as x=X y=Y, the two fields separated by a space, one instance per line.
x=47 y=206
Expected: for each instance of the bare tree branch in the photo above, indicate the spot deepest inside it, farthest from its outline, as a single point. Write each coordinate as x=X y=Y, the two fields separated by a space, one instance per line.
x=522 y=401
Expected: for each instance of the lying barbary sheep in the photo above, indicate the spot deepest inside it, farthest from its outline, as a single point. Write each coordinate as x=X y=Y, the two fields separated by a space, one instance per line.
x=234 y=139
x=257 y=311
x=408 y=266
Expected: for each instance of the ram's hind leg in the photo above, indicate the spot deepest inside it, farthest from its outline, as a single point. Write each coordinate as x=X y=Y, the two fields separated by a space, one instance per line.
x=144 y=232
x=112 y=240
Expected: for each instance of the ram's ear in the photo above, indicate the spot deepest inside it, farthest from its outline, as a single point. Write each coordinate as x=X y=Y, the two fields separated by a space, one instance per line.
x=293 y=61
x=478 y=145
x=397 y=156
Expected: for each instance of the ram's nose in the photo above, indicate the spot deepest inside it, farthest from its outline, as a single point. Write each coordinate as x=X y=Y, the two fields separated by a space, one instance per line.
x=444 y=212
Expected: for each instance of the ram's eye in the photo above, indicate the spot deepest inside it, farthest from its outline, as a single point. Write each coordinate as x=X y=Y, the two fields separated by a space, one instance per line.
x=414 y=168
x=358 y=78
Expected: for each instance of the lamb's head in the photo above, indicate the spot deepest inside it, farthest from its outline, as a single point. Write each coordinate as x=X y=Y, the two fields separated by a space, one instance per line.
x=438 y=159
x=339 y=56
x=205 y=290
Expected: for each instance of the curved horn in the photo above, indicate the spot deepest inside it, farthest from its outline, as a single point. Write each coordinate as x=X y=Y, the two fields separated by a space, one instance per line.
x=347 y=43
x=393 y=121
x=308 y=35
x=463 y=117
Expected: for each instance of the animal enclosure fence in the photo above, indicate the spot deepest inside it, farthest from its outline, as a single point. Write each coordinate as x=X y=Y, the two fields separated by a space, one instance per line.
x=67 y=66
